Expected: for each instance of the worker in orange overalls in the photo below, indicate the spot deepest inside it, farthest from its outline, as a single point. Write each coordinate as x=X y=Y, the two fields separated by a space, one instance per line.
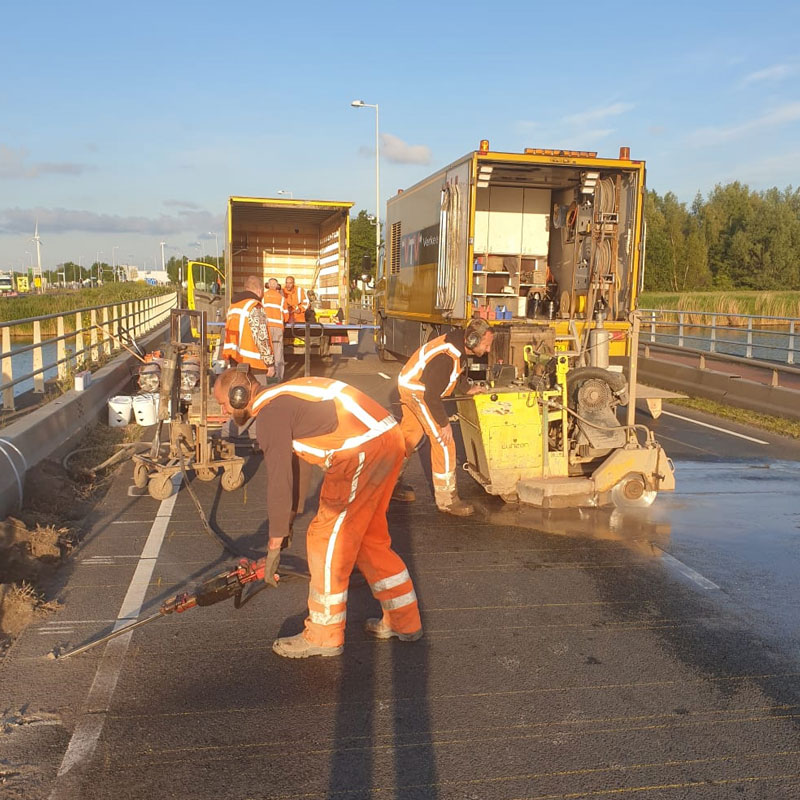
x=296 y=300
x=277 y=316
x=429 y=375
x=360 y=447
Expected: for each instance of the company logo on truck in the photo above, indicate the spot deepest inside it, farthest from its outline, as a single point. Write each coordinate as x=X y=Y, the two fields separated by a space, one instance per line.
x=419 y=247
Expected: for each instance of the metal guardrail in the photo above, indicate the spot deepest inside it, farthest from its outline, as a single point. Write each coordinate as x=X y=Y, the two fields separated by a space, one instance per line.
x=116 y=321
x=748 y=336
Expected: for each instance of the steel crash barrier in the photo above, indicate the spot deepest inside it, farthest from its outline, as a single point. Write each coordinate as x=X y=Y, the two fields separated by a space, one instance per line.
x=99 y=332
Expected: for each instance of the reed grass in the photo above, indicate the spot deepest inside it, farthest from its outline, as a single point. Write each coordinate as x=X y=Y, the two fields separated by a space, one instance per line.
x=767 y=304
x=68 y=300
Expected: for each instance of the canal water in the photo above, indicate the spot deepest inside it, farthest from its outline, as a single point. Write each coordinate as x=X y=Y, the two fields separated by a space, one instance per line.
x=22 y=363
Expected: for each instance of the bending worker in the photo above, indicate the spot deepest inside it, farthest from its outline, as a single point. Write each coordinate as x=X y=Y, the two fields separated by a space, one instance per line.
x=277 y=316
x=360 y=447
x=296 y=300
x=429 y=375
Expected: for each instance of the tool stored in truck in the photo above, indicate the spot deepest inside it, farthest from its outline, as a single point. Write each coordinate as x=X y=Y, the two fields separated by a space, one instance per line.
x=547 y=246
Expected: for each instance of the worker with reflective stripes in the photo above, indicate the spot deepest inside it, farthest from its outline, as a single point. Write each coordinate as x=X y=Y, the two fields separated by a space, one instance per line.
x=277 y=316
x=360 y=447
x=296 y=300
x=429 y=375
x=247 y=338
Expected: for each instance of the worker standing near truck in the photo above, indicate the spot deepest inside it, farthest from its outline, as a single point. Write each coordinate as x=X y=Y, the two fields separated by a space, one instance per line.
x=360 y=447
x=247 y=339
x=433 y=372
x=296 y=300
x=277 y=316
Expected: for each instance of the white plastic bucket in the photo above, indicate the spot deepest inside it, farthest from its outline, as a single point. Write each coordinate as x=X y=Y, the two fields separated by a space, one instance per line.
x=119 y=411
x=144 y=409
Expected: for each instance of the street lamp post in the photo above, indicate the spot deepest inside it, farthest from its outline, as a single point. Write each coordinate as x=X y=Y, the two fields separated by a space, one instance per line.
x=114 y=261
x=216 y=248
x=283 y=191
x=99 y=253
x=362 y=104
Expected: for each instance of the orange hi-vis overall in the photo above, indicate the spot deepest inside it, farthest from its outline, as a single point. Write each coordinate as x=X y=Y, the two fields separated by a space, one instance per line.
x=239 y=343
x=362 y=459
x=297 y=301
x=417 y=419
x=275 y=308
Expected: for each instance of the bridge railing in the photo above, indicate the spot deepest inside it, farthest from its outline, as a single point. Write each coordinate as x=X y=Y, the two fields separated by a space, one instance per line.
x=110 y=327
x=745 y=336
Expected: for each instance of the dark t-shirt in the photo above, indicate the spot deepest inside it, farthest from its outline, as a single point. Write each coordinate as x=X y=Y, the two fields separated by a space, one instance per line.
x=279 y=422
x=436 y=376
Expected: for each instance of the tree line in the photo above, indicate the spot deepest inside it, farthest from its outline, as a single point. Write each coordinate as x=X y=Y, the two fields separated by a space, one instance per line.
x=735 y=238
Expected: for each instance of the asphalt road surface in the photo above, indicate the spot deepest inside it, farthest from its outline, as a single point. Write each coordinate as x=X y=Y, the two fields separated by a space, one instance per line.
x=566 y=655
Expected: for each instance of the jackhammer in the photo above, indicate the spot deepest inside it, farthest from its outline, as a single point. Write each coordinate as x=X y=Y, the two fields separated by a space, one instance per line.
x=214 y=590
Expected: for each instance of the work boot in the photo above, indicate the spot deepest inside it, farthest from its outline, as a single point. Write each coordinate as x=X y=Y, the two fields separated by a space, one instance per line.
x=299 y=647
x=404 y=493
x=457 y=507
x=380 y=630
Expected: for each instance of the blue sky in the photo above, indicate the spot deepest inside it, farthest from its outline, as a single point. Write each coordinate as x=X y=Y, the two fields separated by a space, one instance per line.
x=123 y=125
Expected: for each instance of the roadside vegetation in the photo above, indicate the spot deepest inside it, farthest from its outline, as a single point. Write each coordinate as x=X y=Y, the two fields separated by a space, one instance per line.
x=779 y=425
x=765 y=303
x=66 y=300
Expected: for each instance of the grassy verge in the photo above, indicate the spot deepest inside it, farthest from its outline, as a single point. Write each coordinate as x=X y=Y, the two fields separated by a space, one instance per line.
x=779 y=425
x=768 y=304
x=64 y=301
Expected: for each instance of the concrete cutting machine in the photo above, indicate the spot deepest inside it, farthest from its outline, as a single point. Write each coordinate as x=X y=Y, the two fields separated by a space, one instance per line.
x=184 y=389
x=546 y=432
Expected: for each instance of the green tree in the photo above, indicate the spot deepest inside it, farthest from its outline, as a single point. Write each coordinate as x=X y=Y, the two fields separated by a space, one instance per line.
x=362 y=244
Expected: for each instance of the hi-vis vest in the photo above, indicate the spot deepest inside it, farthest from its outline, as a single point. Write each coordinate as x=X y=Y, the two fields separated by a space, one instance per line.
x=411 y=375
x=298 y=300
x=275 y=308
x=239 y=343
x=361 y=418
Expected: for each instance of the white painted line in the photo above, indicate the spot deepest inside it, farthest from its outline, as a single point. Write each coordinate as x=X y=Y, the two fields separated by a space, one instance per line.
x=130 y=522
x=713 y=427
x=384 y=375
x=87 y=731
x=686 y=571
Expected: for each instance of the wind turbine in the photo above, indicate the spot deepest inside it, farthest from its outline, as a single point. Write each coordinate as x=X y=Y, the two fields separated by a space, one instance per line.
x=37 y=273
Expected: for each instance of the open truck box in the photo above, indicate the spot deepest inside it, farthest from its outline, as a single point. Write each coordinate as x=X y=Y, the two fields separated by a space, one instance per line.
x=308 y=239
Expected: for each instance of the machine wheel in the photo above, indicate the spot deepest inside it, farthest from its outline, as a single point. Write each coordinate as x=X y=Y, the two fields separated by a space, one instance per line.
x=140 y=475
x=632 y=492
x=511 y=497
x=160 y=486
x=231 y=481
x=206 y=473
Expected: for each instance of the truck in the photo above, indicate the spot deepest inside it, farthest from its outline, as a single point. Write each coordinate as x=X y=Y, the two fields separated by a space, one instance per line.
x=546 y=245
x=308 y=239
x=6 y=284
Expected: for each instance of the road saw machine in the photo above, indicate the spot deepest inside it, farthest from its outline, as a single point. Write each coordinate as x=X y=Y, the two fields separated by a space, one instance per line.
x=548 y=247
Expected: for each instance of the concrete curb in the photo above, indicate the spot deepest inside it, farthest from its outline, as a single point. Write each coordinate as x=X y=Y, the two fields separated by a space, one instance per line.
x=724 y=387
x=54 y=427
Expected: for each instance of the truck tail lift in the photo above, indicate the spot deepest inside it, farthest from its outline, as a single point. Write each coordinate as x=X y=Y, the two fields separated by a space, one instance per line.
x=214 y=590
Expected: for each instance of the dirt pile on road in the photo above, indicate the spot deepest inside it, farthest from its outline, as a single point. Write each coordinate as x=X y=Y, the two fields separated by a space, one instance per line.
x=27 y=556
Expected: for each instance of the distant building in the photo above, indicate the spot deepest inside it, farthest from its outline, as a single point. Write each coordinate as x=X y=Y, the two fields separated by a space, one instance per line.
x=156 y=276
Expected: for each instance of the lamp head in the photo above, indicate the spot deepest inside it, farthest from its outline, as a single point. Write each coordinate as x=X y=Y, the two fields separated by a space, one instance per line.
x=357 y=103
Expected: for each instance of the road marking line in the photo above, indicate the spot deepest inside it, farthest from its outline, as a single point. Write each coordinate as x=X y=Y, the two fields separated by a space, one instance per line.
x=89 y=727
x=713 y=427
x=384 y=375
x=686 y=571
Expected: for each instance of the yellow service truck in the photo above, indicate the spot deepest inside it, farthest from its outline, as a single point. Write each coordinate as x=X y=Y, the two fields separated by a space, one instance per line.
x=546 y=245
x=307 y=239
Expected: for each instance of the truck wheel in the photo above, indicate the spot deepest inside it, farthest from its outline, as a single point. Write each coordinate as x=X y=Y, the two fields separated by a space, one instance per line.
x=632 y=492
x=206 y=473
x=140 y=475
x=231 y=481
x=160 y=486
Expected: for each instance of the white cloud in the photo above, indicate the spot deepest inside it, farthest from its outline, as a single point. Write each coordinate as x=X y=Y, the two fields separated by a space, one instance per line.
x=62 y=220
x=14 y=165
x=397 y=151
x=182 y=204
x=790 y=112
x=774 y=73
x=596 y=114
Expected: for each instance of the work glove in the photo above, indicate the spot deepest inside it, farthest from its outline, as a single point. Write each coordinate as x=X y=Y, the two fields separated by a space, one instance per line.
x=271 y=566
